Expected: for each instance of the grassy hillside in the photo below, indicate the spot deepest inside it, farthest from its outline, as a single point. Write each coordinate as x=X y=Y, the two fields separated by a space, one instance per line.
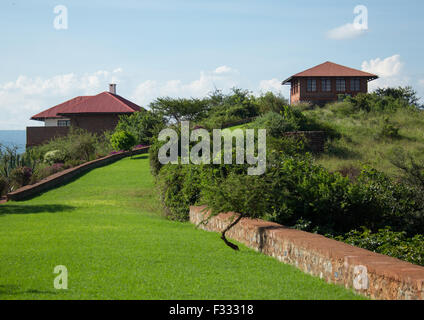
x=106 y=229
x=361 y=141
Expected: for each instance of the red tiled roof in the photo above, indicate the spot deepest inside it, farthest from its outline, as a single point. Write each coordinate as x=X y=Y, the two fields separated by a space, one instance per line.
x=52 y=112
x=104 y=102
x=330 y=69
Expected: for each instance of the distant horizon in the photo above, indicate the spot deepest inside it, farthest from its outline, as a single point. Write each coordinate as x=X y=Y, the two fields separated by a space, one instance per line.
x=10 y=138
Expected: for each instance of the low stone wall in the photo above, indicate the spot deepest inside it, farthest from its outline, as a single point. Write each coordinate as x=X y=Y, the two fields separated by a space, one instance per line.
x=368 y=273
x=67 y=175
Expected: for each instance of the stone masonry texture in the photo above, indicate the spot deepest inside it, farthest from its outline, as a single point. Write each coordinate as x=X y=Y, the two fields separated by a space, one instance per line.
x=371 y=274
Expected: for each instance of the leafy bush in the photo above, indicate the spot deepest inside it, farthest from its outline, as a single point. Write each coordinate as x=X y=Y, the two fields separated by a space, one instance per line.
x=142 y=125
x=227 y=108
x=55 y=156
x=388 y=242
x=275 y=124
x=4 y=186
x=42 y=171
x=412 y=168
x=179 y=188
x=383 y=100
x=293 y=189
x=179 y=109
x=304 y=106
x=155 y=165
x=344 y=108
x=389 y=130
x=20 y=176
x=77 y=145
x=72 y=163
x=122 y=140
x=406 y=94
x=270 y=102
x=376 y=201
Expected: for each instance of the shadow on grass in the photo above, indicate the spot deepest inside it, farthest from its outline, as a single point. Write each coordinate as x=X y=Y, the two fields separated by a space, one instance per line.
x=140 y=157
x=341 y=152
x=29 y=209
x=14 y=290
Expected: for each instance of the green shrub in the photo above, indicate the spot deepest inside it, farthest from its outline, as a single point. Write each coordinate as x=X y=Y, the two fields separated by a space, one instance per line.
x=389 y=130
x=83 y=146
x=304 y=106
x=122 y=140
x=72 y=163
x=4 y=186
x=379 y=201
x=180 y=109
x=19 y=177
x=44 y=170
x=179 y=187
x=235 y=193
x=270 y=102
x=155 y=165
x=388 y=242
x=383 y=100
x=142 y=125
x=293 y=189
x=77 y=145
x=406 y=94
x=228 y=108
x=55 y=156
x=343 y=108
x=275 y=124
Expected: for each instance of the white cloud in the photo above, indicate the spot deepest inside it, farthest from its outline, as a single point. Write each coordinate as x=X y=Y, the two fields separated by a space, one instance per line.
x=273 y=85
x=222 y=77
x=387 y=67
x=421 y=82
x=224 y=70
x=389 y=70
x=346 y=31
x=25 y=96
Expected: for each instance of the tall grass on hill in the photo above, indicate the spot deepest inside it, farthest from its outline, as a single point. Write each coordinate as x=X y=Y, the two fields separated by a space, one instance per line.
x=361 y=141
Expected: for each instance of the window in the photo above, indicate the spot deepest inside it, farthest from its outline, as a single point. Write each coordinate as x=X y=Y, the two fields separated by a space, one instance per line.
x=326 y=85
x=63 y=123
x=340 y=85
x=293 y=86
x=312 y=85
x=355 y=85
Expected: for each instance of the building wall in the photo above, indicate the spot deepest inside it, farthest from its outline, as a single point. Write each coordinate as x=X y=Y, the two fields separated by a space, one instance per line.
x=95 y=123
x=53 y=122
x=39 y=135
x=321 y=97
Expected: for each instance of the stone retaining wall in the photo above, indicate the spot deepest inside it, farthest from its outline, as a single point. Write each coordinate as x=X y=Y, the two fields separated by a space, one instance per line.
x=67 y=175
x=368 y=273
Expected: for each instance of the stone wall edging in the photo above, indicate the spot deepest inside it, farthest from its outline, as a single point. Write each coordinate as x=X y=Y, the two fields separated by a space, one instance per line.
x=336 y=262
x=67 y=175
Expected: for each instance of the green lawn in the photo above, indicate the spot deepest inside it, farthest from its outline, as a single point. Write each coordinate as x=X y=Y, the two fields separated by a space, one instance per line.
x=106 y=228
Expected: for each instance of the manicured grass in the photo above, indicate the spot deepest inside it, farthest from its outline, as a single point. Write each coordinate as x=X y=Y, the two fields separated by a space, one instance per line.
x=106 y=229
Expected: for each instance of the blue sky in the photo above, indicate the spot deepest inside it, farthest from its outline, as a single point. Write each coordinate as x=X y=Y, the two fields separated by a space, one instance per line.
x=186 y=48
